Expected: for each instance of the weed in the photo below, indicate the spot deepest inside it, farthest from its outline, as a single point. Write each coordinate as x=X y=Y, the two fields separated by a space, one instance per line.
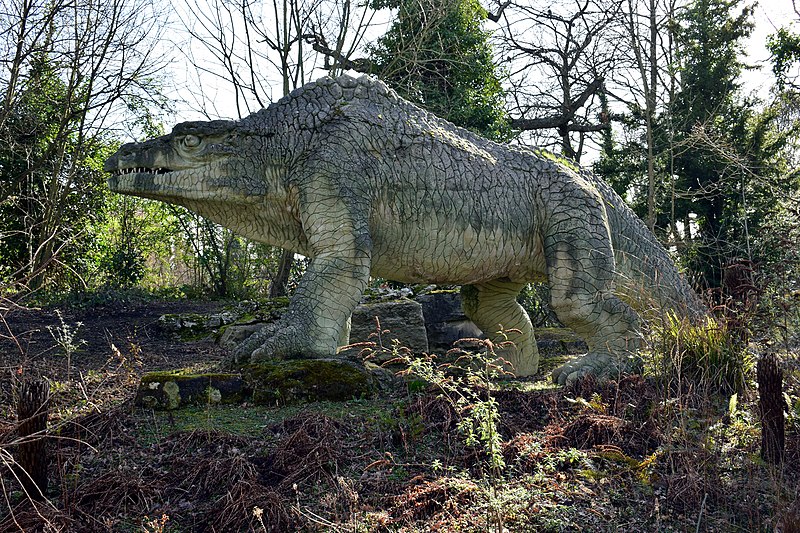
x=466 y=386
x=66 y=337
x=155 y=525
x=468 y=394
x=258 y=513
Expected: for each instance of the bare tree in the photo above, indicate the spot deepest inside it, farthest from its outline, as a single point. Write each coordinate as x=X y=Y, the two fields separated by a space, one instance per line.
x=345 y=24
x=644 y=81
x=72 y=68
x=252 y=48
x=558 y=60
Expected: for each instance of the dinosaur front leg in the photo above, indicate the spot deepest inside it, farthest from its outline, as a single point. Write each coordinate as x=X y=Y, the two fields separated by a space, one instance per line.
x=492 y=306
x=318 y=316
x=580 y=269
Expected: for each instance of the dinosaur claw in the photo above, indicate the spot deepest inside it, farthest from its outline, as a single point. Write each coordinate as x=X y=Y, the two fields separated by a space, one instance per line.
x=600 y=365
x=258 y=355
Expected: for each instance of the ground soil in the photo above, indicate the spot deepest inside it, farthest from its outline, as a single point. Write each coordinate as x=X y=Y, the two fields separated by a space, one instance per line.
x=26 y=338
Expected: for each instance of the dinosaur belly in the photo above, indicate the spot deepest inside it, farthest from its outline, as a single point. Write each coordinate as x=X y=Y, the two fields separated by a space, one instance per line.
x=446 y=253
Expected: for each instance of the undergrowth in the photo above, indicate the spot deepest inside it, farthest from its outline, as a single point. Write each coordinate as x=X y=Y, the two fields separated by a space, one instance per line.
x=457 y=447
x=706 y=356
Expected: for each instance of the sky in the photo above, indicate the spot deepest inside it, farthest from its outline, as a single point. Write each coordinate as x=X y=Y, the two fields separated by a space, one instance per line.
x=769 y=16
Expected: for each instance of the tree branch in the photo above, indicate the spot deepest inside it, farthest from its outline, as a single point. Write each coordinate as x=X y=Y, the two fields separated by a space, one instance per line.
x=564 y=120
x=318 y=43
x=495 y=17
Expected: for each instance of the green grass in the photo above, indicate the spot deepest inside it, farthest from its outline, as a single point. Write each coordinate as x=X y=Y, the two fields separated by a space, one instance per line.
x=152 y=426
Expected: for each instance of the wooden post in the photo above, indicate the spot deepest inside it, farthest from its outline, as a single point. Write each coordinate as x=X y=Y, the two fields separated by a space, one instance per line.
x=32 y=406
x=771 y=405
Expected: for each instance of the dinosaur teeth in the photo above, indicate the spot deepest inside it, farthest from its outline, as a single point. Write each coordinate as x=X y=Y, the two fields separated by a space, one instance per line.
x=142 y=170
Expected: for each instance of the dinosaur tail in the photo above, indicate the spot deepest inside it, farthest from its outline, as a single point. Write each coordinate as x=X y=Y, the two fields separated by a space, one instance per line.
x=647 y=276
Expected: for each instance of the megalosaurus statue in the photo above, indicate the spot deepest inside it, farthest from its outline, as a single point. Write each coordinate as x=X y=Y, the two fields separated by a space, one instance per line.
x=349 y=174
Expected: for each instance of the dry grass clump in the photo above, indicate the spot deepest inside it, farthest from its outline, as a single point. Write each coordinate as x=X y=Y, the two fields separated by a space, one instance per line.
x=687 y=481
x=434 y=410
x=310 y=447
x=433 y=500
x=208 y=476
x=590 y=430
x=38 y=517
x=210 y=443
x=204 y=463
x=526 y=411
x=118 y=493
x=248 y=506
x=107 y=427
x=631 y=397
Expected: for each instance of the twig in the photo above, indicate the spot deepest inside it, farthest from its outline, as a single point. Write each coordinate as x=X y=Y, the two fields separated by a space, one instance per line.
x=700 y=515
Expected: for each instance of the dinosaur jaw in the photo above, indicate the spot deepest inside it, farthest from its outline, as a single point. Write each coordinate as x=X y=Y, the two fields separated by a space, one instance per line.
x=160 y=183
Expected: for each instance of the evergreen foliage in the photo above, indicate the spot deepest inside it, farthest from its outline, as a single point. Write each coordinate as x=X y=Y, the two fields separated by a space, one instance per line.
x=437 y=55
x=785 y=49
x=720 y=156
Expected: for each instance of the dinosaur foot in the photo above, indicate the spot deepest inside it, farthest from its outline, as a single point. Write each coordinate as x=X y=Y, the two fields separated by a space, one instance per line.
x=603 y=365
x=279 y=341
x=243 y=353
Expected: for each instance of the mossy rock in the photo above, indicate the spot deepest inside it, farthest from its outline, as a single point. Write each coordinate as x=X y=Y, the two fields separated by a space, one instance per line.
x=291 y=380
x=194 y=326
x=178 y=388
x=187 y=326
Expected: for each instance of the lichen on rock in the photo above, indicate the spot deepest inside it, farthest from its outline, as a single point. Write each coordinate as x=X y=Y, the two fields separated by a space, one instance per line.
x=178 y=388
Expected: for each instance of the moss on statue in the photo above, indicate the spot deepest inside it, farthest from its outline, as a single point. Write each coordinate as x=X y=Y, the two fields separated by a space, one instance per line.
x=561 y=160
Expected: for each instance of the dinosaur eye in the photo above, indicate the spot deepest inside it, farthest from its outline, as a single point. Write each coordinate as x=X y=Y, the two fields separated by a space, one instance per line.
x=191 y=141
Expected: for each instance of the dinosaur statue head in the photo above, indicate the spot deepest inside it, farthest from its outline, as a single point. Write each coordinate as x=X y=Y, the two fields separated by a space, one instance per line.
x=198 y=161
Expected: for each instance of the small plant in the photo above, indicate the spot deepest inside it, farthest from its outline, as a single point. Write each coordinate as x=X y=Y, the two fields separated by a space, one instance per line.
x=466 y=386
x=468 y=393
x=705 y=354
x=66 y=338
x=155 y=525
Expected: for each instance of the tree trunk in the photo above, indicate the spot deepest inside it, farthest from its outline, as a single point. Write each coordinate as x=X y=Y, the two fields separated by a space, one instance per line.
x=32 y=400
x=771 y=404
x=279 y=286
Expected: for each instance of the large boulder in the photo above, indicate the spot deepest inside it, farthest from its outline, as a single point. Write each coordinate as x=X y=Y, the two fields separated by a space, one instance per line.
x=402 y=318
x=445 y=321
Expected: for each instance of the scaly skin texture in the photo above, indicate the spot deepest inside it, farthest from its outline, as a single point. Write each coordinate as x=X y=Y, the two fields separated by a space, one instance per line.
x=363 y=182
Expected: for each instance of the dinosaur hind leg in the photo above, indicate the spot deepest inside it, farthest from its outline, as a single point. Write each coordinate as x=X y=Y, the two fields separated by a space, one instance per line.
x=580 y=269
x=493 y=305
